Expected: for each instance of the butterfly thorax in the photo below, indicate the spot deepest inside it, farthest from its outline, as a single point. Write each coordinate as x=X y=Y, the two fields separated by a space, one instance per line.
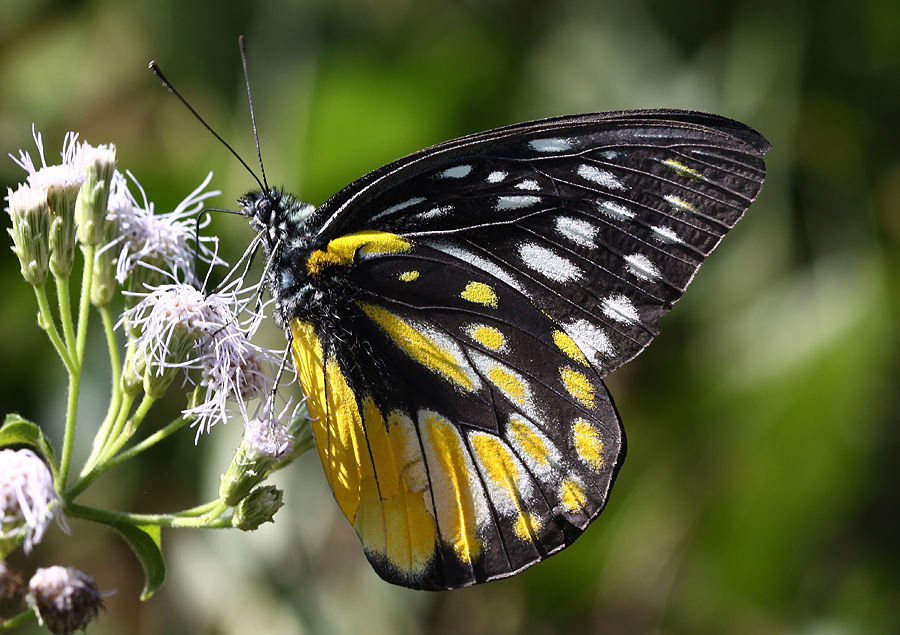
x=280 y=220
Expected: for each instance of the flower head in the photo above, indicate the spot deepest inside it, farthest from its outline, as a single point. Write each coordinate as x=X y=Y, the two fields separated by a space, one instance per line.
x=28 y=501
x=257 y=508
x=97 y=164
x=65 y=599
x=29 y=211
x=149 y=244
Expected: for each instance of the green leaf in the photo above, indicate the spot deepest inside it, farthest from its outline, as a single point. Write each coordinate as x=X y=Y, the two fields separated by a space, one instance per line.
x=146 y=542
x=17 y=431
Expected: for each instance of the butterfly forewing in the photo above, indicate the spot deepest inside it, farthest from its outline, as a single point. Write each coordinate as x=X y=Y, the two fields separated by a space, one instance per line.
x=462 y=420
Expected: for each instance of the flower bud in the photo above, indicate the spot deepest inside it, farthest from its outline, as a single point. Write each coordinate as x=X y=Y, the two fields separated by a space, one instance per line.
x=262 y=447
x=257 y=508
x=91 y=209
x=30 y=213
x=65 y=599
x=10 y=582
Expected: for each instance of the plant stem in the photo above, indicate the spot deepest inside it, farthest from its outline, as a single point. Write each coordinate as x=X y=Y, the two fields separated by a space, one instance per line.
x=112 y=518
x=65 y=313
x=94 y=465
x=22 y=618
x=49 y=326
x=149 y=442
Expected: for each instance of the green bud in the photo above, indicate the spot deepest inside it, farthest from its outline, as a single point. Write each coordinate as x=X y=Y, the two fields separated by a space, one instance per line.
x=158 y=375
x=103 y=283
x=62 y=198
x=91 y=208
x=264 y=444
x=257 y=508
x=30 y=231
x=133 y=371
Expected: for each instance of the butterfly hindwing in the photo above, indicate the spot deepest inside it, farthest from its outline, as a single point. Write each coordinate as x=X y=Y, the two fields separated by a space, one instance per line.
x=466 y=303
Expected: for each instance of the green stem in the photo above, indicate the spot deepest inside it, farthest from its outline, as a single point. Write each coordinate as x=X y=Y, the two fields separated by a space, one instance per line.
x=71 y=415
x=199 y=510
x=94 y=466
x=115 y=399
x=149 y=442
x=109 y=517
x=22 y=618
x=49 y=325
x=65 y=313
x=124 y=433
x=77 y=356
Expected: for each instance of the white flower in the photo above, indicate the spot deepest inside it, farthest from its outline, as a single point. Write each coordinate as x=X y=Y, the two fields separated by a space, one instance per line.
x=159 y=241
x=267 y=438
x=69 y=173
x=65 y=599
x=28 y=501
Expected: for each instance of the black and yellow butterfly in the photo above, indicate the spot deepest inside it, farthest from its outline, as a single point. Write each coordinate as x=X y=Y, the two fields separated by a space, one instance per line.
x=453 y=314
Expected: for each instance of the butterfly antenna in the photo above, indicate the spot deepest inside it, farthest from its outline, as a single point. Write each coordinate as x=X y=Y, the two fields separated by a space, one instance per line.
x=243 y=46
x=158 y=72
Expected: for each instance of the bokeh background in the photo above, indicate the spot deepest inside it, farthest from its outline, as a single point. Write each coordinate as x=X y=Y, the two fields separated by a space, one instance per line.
x=761 y=490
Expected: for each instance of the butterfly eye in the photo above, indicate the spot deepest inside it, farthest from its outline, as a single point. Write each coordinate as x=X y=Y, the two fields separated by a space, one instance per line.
x=263 y=210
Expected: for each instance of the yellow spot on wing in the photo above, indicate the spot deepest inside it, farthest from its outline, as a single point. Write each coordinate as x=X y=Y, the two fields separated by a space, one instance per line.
x=527 y=526
x=529 y=442
x=509 y=384
x=683 y=170
x=480 y=293
x=487 y=336
x=578 y=385
x=428 y=352
x=503 y=481
x=588 y=443
x=568 y=346
x=409 y=276
x=451 y=480
x=572 y=495
x=342 y=250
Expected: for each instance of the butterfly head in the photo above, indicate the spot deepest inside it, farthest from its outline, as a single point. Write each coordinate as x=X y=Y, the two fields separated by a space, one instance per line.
x=275 y=214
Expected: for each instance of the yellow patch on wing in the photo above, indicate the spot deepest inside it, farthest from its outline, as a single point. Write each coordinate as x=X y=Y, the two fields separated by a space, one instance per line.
x=365 y=464
x=426 y=350
x=683 y=170
x=527 y=526
x=342 y=250
x=568 y=346
x=511 y=385
x=528 y=442
x=588 y=443
x=409 y=276
x=453 y=486
x=480 y=293
x=578 y=385
x=487 y=336
x=572 y=495
x=504 y=482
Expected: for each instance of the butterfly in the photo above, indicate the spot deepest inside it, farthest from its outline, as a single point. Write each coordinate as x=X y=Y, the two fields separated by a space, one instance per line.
x=452 y=316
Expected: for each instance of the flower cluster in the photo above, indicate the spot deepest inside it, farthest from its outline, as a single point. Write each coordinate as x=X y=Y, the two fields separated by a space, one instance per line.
x=173 y=328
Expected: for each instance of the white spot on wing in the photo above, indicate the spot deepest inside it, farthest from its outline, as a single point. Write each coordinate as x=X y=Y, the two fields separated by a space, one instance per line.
x=680 y=203
x=435 y=212
x=550 y=145
x=591 y=339
x=619 y=308
x=610 y=154
x=549 y=263
x=456 y=172
x=529 y=184
x=480 y=262
x=578 y=231
x=616 y=210
x=516 y=201
x=496 y=176
x=666 y=234
x=399 y=206
x=601 y=177
x=640 y=266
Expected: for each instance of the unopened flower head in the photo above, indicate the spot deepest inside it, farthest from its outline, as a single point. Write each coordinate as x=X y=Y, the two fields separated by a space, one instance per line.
x=65 y=599
x=98 y=164
x=257 y=508
x=29 y=211
x=149 y=244
x=266 y=442
x=28 y=501
x=10 y=582
x=62 y=184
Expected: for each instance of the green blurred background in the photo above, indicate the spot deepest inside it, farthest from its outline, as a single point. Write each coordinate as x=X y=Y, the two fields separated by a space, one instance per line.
x=760 y=494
